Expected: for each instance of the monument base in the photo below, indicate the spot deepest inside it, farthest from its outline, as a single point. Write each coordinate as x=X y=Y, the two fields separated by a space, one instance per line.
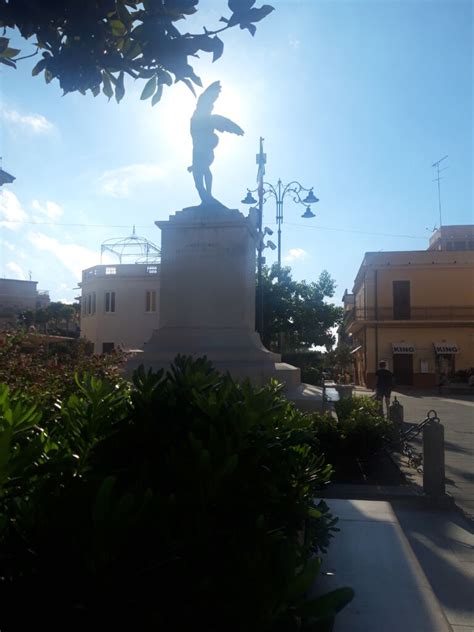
x=207 y=298
x=234 y=350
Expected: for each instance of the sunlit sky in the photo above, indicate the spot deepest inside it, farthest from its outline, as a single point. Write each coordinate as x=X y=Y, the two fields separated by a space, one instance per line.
x=356 y=99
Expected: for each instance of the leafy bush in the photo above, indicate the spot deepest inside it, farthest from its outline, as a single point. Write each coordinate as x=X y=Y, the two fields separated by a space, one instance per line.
x=355 y=437
x=44 y=369
x=184 y=500
x=310 y=363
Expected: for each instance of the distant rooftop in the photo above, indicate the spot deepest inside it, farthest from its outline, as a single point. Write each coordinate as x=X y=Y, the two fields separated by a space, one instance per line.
x=456 y=237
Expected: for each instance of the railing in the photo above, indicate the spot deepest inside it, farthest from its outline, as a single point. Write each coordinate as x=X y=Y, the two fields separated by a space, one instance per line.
x=414 y=313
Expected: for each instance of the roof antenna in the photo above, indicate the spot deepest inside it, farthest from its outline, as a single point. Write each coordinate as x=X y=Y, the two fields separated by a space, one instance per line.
x=437 y=179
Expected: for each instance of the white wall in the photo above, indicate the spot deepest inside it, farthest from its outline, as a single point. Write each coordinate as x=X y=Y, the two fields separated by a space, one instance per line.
x=130 y=326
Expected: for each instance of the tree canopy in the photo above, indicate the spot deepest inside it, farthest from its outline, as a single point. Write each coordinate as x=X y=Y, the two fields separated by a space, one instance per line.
x=92 y=44
x=298 y=310
x=54 y=318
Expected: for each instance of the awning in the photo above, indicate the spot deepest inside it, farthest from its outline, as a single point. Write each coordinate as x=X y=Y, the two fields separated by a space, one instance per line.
x=403 y=347
x=356 y=349
x=445 y=347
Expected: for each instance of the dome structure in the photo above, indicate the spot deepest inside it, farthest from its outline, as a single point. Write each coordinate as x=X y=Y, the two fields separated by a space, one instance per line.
x=132 y=249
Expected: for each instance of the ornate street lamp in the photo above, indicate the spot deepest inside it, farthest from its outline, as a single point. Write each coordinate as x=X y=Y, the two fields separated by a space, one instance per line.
x=265 y=190
x=295 y=190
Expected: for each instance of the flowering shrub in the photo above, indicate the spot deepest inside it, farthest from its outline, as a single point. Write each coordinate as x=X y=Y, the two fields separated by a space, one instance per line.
x=43 y=368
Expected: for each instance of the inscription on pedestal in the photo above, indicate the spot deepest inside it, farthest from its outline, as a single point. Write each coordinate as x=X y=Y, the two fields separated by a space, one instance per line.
x=210 y=249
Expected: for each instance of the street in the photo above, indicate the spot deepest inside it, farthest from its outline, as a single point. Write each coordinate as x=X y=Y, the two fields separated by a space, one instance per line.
x=456 y=413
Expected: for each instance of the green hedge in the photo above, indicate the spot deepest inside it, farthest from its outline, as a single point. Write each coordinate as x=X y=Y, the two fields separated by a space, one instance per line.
x=184 y=501
x=355 y=437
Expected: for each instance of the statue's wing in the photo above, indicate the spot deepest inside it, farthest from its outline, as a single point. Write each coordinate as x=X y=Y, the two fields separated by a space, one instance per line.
x=223 y=124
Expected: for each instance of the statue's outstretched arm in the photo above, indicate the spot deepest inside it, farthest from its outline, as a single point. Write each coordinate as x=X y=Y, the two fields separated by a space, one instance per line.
x=223 y=124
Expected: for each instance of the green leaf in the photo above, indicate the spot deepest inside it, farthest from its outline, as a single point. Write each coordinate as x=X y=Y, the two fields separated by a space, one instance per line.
x=103 y=501
x=7 y=62
x=131 y=49
x=165 y=78
x=119 y=88
x=218 y=48
x=149 y=89
x=122 y=12
x=302 y=582
x=48 y=76
x=107 y=86
x=157 y=95
x=5 y=448
x=41 y=65
x=4 y=392
x=10 y=52
x=190 y=85
x=118 y=27
x=327 y=605
x=4 y=41
x=314 y=513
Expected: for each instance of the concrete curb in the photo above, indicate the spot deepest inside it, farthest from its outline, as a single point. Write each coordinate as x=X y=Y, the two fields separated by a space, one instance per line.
x=407 y=493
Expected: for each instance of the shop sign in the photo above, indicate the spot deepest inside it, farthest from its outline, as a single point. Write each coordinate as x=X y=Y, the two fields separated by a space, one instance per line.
x=445 y=347
x=403 y=347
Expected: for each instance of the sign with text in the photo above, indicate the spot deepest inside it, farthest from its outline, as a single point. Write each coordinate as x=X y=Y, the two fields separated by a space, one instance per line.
x=445 y=347
x=403 y=347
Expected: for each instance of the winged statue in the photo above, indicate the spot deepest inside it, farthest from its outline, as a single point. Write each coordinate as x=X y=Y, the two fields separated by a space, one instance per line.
x=203 y=125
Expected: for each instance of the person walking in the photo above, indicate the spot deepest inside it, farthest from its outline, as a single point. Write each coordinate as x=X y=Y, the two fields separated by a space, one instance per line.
x=383 y=385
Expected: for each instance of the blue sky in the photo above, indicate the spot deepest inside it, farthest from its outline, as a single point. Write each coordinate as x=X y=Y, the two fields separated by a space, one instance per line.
x=354 y=98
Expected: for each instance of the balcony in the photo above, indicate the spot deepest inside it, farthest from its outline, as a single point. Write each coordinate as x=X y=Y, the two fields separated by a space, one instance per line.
x=443 y=313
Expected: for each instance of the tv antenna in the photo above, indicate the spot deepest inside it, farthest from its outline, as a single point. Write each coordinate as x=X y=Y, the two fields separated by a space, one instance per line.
x=437 y=179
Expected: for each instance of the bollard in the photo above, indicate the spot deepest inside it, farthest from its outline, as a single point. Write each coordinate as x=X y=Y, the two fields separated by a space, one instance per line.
x=433 y=459
x=395 y=412
x=344 y=391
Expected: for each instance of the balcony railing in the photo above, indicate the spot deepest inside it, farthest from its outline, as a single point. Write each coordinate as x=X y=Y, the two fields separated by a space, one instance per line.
x=450 y=313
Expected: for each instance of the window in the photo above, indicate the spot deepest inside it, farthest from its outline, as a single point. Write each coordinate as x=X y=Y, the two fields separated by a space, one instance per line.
x=110 y=270
x=110 y=302
x=89 y=303
x=150 y=304
x=152 y=269
x=401 y=300
x=459 y=245
x=84 y=305
x=93 y=302
x=108 y=347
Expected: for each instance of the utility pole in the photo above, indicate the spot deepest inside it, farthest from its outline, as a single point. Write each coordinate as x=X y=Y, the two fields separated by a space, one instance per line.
x=437 y=179
x=261 y=160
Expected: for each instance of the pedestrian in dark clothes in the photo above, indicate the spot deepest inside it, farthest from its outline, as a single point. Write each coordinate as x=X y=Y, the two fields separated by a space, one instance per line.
x=383 y=385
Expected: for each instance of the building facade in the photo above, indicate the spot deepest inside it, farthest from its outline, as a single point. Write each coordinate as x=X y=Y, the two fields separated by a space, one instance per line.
x=19 y=296
x=415 y=310
x=119 y=305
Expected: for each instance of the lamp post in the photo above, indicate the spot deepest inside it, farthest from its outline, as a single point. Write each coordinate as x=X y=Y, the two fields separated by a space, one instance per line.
x=279 y=192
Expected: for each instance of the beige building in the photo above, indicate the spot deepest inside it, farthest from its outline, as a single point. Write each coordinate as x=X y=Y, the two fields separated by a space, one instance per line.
x=415 y=310
x=18 y=296
x=119 y=305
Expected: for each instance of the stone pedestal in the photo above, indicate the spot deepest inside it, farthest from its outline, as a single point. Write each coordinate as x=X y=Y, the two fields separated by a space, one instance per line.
x=207 y=298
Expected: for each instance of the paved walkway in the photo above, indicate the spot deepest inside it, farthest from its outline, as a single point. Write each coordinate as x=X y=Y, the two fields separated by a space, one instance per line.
x=371 y=554
x=456 y=413
x=443 y=543
x=443 y=540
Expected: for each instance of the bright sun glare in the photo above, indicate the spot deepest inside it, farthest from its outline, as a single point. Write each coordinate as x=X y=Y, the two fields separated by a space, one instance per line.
x=176 y=109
